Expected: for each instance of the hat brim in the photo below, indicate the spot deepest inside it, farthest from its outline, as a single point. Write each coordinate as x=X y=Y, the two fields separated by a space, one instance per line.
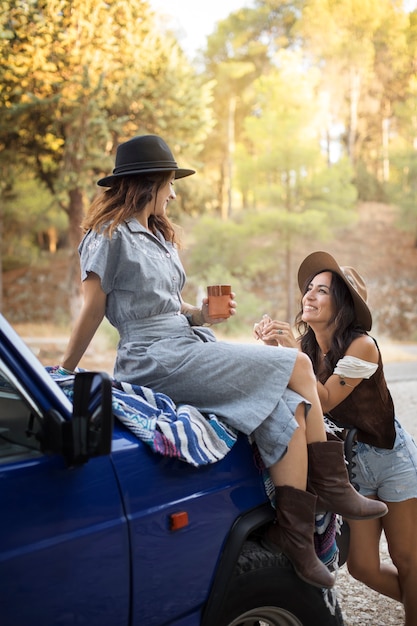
x=318 y=262
x=108 y=181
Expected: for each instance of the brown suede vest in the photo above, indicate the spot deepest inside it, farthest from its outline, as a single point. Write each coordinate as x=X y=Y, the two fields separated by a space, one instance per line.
x=370 y=409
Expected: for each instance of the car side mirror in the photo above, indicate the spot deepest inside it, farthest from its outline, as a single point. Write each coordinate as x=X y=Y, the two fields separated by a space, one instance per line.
x=89 y=432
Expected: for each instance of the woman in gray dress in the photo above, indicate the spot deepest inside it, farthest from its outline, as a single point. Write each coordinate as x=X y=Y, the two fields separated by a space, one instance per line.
x=132 y=274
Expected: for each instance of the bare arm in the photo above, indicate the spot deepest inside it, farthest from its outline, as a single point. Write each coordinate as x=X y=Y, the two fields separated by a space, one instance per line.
x=332 y=393
x=335 y=390
x=92 y=313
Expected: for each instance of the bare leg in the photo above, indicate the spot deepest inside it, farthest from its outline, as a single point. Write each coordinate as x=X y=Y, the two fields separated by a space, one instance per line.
x=291 y=470
x=397 y=580
x=293 y=532
x=325 y=463
x=303 y=381
x=400 y=529
x=364 y=562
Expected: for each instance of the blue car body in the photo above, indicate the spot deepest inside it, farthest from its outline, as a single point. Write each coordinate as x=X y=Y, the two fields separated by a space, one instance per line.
x=97 y=529
x=94 y=544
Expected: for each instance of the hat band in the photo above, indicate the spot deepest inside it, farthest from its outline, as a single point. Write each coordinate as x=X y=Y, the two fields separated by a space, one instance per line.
x=130 y=167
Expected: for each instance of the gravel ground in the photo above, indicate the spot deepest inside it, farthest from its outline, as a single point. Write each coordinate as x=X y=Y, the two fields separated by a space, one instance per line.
x=360 y=605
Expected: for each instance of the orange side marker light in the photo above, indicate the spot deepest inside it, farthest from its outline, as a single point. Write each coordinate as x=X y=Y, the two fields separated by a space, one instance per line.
x=178 y=520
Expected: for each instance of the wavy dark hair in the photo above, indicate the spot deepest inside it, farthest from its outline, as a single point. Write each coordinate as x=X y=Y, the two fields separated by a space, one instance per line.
x=127 y=198
x=345 y=323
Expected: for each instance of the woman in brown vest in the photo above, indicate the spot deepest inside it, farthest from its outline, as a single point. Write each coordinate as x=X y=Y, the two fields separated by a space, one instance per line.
x=333 y=323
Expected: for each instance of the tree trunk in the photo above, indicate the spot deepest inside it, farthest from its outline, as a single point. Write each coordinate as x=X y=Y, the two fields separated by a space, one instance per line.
x=52 y=239
x=290 y=284
x=355 y=89
x=385 y=149
x=76 y=214
x=230 y=156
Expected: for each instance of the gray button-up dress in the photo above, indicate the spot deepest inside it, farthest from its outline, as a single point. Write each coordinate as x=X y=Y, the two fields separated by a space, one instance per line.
x=245 y=385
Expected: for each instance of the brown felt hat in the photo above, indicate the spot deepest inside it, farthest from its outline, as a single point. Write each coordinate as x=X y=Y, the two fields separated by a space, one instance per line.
x=318 y=262
x=145 y=154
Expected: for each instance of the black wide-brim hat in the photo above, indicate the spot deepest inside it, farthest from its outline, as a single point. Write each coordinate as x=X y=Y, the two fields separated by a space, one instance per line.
x=145 y=154
x=319 y=262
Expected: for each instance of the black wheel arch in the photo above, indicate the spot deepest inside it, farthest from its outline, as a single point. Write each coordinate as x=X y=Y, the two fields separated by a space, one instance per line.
x=240 y=531
x=245 y=526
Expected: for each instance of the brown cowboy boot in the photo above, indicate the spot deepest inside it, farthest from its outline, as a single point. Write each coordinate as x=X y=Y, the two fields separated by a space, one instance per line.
x=293 y=534
x=329 y=481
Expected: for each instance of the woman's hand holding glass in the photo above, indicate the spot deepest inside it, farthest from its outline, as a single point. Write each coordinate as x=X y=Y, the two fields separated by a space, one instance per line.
x=216 y=320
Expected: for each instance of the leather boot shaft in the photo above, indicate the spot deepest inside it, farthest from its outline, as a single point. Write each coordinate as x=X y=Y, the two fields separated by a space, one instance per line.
x=293 y=534
x=328 y=479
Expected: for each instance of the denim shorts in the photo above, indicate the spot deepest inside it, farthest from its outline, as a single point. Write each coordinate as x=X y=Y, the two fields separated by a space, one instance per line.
x=391 y=475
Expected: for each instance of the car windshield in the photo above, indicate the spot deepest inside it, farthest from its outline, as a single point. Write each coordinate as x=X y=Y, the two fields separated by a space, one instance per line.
x=17 y=419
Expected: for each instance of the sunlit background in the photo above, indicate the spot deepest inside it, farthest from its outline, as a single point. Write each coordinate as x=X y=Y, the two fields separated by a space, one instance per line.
x=301 y=124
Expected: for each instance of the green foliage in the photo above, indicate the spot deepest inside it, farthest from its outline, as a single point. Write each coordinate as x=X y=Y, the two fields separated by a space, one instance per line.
x=232 y=253
x=30 y=218
x=283 y=84
x=249 y=304
x=402 y=188
x=280 y=164
x=365 y=59
x=368 y=186
x=80 y=76
x=294 y=196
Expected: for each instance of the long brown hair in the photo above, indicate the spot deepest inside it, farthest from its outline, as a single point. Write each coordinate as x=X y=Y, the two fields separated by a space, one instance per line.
x=346 y=328
x=127 y=198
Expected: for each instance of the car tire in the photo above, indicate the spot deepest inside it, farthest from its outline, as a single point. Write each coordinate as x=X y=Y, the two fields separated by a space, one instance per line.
x=266 y=590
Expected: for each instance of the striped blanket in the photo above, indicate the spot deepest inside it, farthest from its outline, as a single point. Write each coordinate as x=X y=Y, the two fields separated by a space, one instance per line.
x=179 y=431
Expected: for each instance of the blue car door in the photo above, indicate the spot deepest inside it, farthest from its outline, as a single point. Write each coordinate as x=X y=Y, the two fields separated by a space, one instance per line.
x=64 y=549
